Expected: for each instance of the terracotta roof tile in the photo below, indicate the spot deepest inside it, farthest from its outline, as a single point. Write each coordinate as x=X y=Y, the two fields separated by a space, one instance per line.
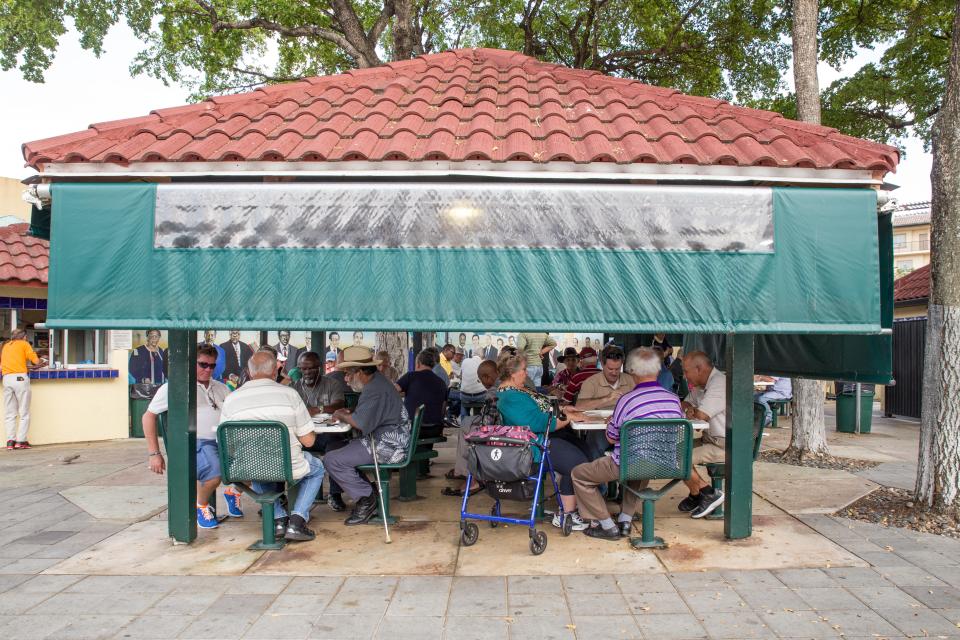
x=913 y=286
x=24 y=260
x=460 y=105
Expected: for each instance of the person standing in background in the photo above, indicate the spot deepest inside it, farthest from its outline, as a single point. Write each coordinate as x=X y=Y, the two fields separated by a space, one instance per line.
x=16 y=359
x=534 y=346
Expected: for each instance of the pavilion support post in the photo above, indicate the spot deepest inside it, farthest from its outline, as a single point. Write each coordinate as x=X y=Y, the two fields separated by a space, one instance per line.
x=318 y=340
x=738 y=516
x=182 y=438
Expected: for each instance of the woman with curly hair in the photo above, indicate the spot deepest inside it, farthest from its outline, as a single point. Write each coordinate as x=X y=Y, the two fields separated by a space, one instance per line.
x=520 y=406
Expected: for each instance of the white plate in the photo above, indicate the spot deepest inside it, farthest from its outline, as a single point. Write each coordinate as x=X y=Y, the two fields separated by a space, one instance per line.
x=322 y=417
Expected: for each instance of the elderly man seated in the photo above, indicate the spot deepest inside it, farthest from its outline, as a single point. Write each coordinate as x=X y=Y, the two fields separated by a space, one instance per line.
x=322 y=394
x=380 y=417
x=647 y=399
x=262 y=398
x=782 y=389
x=707 y=401
x=571 y=366
x=422 y=387
x=588 y=369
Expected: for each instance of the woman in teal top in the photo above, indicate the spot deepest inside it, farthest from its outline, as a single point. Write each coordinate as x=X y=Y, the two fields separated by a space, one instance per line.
x=520 y=406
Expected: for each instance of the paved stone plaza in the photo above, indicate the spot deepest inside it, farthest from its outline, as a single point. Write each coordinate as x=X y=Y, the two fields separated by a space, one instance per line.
x=83 y=555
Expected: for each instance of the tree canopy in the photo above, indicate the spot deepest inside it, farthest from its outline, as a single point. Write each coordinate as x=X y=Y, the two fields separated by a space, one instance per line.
x=723 y=48
x=732 y=49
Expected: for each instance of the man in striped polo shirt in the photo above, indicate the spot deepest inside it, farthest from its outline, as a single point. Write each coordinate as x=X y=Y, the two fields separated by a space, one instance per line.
x=647 y=400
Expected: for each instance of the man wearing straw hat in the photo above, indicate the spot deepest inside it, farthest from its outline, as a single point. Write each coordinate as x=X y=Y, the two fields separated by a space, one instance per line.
x=379 y=413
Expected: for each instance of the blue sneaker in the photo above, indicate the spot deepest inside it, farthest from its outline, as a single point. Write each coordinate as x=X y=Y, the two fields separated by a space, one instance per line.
x=233 y=504
x=205 y=518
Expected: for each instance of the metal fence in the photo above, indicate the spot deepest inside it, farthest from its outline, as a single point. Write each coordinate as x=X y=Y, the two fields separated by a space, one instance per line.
x=909 y=338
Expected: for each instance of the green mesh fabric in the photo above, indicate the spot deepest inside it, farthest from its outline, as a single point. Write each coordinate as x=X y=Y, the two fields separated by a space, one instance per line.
x=655 y=449
x=254 y=451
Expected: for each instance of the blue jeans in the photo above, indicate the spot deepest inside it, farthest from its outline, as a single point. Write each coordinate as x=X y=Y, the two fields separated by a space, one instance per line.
x=764 y=398
x=470 y=398
x=535 y=374
x=308 y=488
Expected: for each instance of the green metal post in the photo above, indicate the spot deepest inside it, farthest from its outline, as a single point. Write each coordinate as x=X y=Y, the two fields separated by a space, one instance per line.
x=737 y=522
x=182 y=437
x=318 y=341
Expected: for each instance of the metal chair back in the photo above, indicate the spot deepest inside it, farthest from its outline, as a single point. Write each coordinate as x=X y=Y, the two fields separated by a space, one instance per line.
x=252 y=450
x=655 y=449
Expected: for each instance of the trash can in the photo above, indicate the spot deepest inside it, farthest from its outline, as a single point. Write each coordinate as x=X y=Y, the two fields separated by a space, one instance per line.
x=847 y=409
x=138 y=406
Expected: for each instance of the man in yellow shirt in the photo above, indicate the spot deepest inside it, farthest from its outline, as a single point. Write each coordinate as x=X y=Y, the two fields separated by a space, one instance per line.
x=14 y=359
x=446 y=358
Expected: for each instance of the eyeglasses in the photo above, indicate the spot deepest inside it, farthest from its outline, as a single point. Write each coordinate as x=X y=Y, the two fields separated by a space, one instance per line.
x=207 y=365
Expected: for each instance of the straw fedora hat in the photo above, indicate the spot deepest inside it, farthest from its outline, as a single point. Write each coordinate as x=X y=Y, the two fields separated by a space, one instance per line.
x=357 y=356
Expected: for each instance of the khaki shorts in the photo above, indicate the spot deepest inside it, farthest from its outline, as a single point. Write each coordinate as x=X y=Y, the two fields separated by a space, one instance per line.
x=704 y=452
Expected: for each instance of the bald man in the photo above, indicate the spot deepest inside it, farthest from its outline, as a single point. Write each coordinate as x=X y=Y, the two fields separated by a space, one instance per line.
x=707 y=401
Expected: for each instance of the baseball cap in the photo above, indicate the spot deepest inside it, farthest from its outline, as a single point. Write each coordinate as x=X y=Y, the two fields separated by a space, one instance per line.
x=588 y=352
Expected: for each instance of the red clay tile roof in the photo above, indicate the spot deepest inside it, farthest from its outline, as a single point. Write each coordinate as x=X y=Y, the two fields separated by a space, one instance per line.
x=467 y=104
x=913 y=286
x=24 y=260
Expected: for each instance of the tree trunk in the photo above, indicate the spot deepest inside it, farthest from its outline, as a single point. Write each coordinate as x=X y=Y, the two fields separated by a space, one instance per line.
x=403 y=30
x=394 y=343
x=809 y=432
x=804 y=32
x=938 y=472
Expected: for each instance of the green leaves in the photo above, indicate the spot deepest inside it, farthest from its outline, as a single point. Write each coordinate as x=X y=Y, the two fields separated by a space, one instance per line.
x=733 y=49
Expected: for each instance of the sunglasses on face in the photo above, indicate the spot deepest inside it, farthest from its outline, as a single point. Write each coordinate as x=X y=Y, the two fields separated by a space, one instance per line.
x=207 y=365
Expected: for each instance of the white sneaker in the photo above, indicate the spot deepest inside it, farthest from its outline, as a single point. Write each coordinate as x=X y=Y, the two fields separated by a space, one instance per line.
x=578 y=523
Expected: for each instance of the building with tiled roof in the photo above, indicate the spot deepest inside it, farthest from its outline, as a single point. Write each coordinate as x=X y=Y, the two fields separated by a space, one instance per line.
x=24 y=260
x=448 y=109
x=911 y=236
x=911 y=293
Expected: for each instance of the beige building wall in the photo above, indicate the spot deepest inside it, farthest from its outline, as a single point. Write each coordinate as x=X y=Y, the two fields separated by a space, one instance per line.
x=915 y=311
x=11 y=202
x=911 y=248
x=80 y=410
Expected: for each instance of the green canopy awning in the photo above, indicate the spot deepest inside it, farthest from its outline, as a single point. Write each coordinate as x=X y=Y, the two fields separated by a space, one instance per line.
x=412 y=256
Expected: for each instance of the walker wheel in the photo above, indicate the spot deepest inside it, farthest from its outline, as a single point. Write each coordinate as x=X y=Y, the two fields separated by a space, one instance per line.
x=469 y=534
x=538 y=543
x=496 y=513
x=567 y=527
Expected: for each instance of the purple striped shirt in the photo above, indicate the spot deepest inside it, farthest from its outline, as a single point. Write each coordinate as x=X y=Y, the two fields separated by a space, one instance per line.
x=647 y=400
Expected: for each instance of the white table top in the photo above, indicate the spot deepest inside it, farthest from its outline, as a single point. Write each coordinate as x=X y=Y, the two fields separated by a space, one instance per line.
x=698 y=425
x=322 y=424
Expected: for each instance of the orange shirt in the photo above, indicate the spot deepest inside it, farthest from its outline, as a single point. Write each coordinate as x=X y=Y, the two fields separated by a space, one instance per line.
x=13 y=358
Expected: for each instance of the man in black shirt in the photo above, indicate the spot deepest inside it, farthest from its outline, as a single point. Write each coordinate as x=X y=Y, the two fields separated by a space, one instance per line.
x=423 y=387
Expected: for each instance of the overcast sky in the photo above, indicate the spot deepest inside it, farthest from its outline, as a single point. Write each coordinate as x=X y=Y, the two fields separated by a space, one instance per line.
x=80 y=90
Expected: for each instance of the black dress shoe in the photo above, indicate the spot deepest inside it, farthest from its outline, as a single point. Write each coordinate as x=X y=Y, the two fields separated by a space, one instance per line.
x=363 y=510
x=280 y=527
x=298 y=532
x=603 y=534
x=336 y=503
x=625 y=528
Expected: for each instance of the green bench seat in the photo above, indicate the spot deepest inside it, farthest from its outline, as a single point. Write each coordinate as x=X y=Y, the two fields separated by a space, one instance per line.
x=407 y=468
x=655 y=449
x=781 y=407
x=249 y=453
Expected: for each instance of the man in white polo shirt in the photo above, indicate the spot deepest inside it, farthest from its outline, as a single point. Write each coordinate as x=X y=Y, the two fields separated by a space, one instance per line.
x=210 y=397
x=707 y=401
x=263 y=398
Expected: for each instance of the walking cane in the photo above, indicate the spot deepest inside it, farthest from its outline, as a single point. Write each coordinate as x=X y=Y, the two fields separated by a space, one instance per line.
x=383 y=509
